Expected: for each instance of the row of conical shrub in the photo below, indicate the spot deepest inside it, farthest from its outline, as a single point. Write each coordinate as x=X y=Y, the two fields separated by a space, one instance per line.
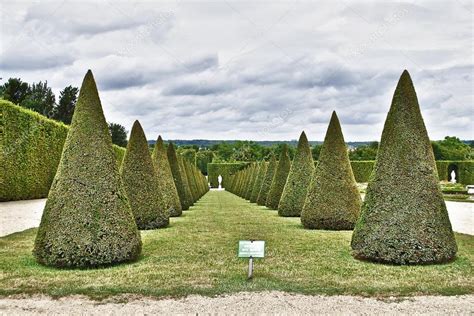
x=94 y=210
x=403 y=219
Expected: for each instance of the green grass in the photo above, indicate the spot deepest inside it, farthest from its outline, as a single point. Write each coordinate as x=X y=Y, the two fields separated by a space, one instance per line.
x=197 y=254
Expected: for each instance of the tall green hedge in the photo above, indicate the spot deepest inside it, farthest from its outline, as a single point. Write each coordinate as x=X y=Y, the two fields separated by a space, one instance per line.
x=223 y=169
x=31 y=147
x=464 y=174
x=30 y=150
x=465 y=170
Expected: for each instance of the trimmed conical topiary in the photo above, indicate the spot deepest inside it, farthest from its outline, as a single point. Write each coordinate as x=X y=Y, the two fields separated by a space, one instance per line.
x=177 y=177
x=253 y=177
x=258 y=182
x=333 y=201
x=404 y=218
x=191 y=181
x=184 y=177
x=165 y=178
x=141 y=183
x=87 y=220
x=267 y=181
x=299 y=179
x=279 y=180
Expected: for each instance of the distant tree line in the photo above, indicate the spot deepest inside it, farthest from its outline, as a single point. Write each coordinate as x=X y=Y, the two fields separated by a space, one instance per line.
x=451 y=148
x=40 y=98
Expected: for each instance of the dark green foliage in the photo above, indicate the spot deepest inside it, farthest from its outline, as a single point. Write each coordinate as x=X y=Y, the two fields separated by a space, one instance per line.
x=203 y=158
x=168 y=190
x=333 y=200
x=40 y=99
x=258 y=182
x=362 y=170
x=15 y=90
x=299 y=178
x=279 y=180
x=267 y=181
x=65 y=108
x=31 y=147
x=223 y=169
x=452 y=148
x=404 y=218
x=87 y=220
x=364 y=152
x=141 y=183
x=177 y=177
x=188 y=153
x=316 y=151
x=119 y=134
x=184 y=177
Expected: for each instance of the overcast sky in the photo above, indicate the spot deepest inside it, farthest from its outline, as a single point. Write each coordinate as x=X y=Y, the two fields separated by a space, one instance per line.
x=250 y=70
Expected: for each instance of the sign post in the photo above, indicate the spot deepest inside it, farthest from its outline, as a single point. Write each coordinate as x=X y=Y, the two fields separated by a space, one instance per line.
x=251 y=249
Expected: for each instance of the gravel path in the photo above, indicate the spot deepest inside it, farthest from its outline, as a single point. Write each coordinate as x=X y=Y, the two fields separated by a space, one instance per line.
x=20 y=215
x=241 y=303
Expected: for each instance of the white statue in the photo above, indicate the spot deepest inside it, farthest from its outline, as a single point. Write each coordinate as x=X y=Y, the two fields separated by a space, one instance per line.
x=453 y=177
x=219 y=179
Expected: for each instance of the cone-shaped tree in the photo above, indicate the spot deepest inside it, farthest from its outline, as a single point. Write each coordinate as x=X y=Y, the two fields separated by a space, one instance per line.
x=191 y=181
x=299 y=179
x=279 y=180
x=253 y=177
x=333 y=201
x=87 y=220
x=141 y=183
x=165 y=179
x=178 y=180
x=267 y=181
x=404 y=218
x=184 y=177
x=243 y=183
x=258 y=182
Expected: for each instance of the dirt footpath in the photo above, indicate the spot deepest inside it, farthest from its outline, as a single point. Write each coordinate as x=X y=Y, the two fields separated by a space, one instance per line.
x=241 y=303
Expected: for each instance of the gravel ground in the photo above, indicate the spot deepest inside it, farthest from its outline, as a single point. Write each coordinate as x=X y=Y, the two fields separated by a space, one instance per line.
x=241 y=303
x=20 y=215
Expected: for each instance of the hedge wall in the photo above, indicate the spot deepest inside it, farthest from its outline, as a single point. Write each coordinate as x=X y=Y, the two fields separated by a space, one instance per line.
x=30 y=150
x=223 y=169
x=362 y=170
x=464 y=174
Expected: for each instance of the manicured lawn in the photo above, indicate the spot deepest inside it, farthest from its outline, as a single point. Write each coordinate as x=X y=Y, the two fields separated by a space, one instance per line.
x=198 y=254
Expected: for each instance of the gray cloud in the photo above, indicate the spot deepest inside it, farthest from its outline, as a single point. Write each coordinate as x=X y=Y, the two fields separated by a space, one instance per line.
x=189 y=70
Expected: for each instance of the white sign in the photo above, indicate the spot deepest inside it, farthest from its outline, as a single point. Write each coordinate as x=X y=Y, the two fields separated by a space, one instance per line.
x=251 y=248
